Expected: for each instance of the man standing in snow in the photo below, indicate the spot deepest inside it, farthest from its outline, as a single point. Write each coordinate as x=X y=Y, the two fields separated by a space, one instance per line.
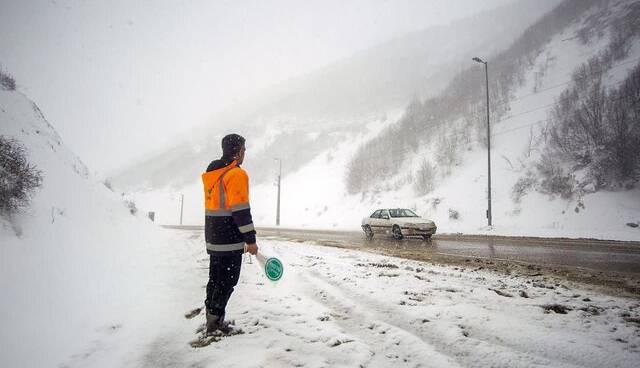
x=228 y=228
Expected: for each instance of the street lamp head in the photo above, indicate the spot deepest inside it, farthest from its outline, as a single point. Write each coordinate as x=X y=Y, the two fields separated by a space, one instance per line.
x=478 y=60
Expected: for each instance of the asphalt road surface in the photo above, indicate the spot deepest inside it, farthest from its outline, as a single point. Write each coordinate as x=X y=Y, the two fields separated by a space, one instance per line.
x=595 y=255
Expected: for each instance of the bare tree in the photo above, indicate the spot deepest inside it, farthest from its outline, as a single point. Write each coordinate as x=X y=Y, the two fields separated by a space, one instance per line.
x=425 y=178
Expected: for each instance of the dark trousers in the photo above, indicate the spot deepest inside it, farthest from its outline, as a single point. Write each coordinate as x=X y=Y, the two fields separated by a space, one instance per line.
x=223 y=276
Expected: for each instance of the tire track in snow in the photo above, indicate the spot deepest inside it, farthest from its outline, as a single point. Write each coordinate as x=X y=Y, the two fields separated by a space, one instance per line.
x=399 y=346
x=446 y=342
x=448 y=338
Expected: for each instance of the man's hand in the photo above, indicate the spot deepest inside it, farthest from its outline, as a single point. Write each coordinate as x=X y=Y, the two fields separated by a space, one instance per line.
x=252 y=248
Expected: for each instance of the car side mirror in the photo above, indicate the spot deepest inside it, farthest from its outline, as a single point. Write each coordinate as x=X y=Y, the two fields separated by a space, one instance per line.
x=386 y=217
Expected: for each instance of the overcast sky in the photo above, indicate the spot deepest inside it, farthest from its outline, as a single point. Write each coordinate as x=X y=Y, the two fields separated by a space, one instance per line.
x=121 y=78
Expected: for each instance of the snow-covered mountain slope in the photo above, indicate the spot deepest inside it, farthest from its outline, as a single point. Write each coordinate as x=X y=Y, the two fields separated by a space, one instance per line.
x=315 y=195
x=458 y=202
x=298 y=115
x=75 y=264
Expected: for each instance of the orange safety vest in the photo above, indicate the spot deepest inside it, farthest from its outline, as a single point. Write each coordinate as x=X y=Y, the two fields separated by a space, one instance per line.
x=225 y=190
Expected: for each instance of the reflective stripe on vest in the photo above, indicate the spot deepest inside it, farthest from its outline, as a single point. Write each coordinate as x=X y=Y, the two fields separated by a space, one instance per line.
x=224 y=247
x=217 y=213
x=221 y=186
x=222 y=212
x=240 y=206
x=221 y=190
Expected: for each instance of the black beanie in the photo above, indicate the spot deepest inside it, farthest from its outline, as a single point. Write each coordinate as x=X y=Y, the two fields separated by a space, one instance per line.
x=231 y=145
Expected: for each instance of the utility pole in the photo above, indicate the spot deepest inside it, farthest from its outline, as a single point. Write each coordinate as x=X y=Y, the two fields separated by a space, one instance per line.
x=279 y=180
x=486 y=74
x=181 y=207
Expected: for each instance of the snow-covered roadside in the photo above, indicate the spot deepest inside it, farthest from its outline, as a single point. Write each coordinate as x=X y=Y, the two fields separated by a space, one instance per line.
x=337 y=307
x=78 y=270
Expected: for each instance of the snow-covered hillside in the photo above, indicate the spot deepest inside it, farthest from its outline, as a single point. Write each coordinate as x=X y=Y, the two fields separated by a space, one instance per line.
x=76 y=264
x=315 y=194
x=302 y=113
x=458 y=202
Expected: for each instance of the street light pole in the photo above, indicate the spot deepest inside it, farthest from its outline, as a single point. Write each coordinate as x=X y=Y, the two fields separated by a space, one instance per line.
x=279 y=180
x=181 y=207
x=486 y=74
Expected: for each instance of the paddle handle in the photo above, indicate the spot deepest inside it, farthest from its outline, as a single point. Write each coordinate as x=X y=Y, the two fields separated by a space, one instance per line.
x=261 y=259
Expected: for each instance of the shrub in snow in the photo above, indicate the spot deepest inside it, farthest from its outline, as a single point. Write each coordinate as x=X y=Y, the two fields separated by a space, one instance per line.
x=379 y=159
x=6 y=81
x=523 y=186
x=18 y=178
x=107 y=183
x=453 y=214
x=554 y=178
x=594 y=127
x=131 y=205
x=424 y=178
x=447 y=151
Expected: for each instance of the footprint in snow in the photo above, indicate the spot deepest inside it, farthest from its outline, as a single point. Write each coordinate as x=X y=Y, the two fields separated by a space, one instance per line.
x=193 y=313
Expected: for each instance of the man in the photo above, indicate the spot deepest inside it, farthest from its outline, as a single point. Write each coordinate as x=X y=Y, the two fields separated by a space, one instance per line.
x=228 y=227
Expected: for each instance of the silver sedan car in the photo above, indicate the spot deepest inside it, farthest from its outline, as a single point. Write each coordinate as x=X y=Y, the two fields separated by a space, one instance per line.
x=399 y=222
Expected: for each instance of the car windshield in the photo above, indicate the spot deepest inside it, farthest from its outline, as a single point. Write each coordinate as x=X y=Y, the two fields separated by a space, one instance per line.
x=402 y=212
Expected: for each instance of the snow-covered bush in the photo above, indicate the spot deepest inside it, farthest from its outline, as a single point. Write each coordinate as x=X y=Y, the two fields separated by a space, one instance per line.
x=447 y=154
x=453 y=214
x=7 y=82
x=107 y=184
x=555 y=179
x=18 y=178
x=596 y=129
x=131 y=205
x=523 y=186
x=377 y=160
x=424 y=178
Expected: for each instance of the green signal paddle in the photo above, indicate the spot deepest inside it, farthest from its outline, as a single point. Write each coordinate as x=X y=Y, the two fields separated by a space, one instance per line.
x=272 y=266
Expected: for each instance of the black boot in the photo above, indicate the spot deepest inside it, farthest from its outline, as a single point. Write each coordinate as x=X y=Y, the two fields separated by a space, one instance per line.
x=213 y=322
x=217 y=323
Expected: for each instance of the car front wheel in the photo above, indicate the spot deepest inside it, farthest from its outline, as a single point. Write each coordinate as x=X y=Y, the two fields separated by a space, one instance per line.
x=396 y=232
x=368 y=232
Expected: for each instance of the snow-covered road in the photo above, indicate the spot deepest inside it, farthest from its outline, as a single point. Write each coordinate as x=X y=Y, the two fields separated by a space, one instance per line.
x=347 y=308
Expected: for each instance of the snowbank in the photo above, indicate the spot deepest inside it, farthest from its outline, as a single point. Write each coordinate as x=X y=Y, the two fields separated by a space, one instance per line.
x=76 y=263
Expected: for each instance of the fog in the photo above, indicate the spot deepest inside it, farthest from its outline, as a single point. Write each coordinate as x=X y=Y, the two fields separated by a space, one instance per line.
x=120 y=79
